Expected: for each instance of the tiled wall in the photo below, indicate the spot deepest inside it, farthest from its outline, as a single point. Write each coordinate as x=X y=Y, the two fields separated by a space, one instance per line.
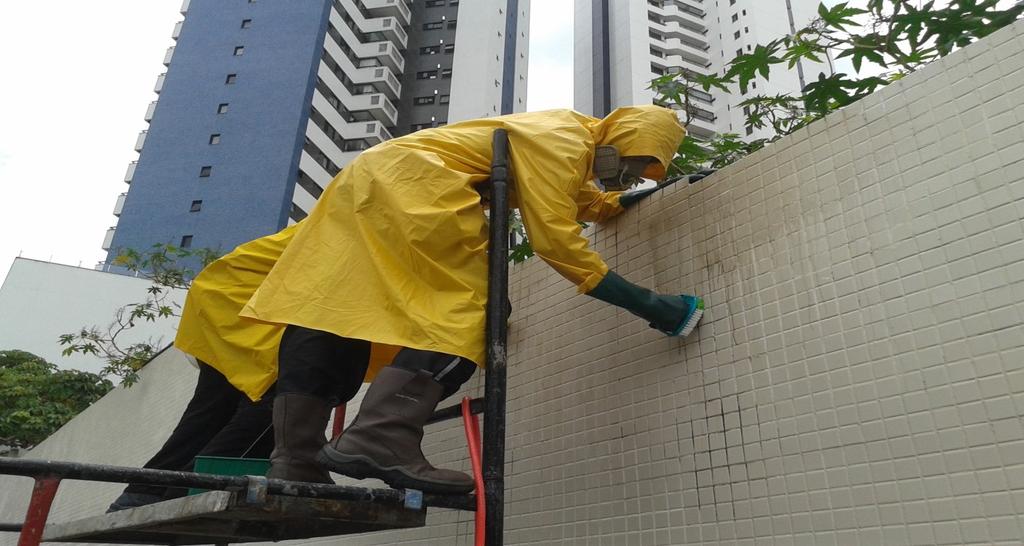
x=858 y=377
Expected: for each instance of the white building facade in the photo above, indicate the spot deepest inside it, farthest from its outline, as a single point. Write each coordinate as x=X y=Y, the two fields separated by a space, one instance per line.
x=621 y=45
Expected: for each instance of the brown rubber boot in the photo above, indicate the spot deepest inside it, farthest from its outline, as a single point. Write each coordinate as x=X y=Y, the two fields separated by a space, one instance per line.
x=299 y=424
x=384 y=440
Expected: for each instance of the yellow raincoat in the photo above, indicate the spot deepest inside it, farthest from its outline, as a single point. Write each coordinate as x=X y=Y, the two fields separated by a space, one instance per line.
x=242 y=349
x=395 y=252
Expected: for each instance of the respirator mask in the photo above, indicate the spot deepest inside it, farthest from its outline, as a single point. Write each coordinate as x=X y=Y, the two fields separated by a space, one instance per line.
x=616 y=173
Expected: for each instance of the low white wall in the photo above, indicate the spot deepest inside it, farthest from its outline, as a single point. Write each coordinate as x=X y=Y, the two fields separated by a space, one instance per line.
x=858 y=378
x=39 y=301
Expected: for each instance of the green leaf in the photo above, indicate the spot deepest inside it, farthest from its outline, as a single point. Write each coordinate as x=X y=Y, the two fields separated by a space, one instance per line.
x=828 y=93
x=803 y=49
x=747 y=66
x=839 y=15
x=868 y=47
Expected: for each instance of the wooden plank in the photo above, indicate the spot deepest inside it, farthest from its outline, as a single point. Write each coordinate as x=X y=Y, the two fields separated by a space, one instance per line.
x=224 y=517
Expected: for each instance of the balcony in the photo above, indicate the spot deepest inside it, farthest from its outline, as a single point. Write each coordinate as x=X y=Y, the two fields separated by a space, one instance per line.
x=392 y=8
x=389 y=27
x=389 y=54
x=688 y=62
x=379 y=52
x=139 y=142
x=184 y=6
x=177 y=30
x=108 y=238
x=683 y=15
x=150 y=110
x=379 y=77
x=347 y=130
x=131 y=172
x=377 y=104
x=394 y=31
x=119 y=204
x=159 y=83
x=168 y=55
x=674 y=47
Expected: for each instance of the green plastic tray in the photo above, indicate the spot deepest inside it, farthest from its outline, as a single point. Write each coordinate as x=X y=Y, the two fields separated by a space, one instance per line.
x=229 y=466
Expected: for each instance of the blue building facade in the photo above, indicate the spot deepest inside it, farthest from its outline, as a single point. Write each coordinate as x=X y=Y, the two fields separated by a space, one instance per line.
x=219 y=161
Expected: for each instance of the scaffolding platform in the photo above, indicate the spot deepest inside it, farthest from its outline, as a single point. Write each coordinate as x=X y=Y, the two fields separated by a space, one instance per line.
x=222 y=517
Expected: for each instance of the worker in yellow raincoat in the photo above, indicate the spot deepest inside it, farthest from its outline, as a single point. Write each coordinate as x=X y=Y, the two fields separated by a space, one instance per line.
x=395 y=253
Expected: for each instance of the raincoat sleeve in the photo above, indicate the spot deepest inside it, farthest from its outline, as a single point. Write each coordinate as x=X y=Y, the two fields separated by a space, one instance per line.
x=595 y=205
x=546 y=180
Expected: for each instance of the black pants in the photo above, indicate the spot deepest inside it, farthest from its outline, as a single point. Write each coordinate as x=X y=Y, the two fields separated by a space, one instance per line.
x=332 y=367
x=219 y=421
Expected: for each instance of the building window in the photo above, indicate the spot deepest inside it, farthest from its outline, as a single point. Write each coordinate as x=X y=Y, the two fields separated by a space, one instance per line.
x=427 y=75
x=739 y=52
x=744 y=12
x=215 y=138
x=430 y=99
x=296 y=213
x=746 y=30
x=239 y=50
x=453 y=2
x=197 y=205
x=750 y=130
x=186 y=241
x=732 y=2
x=446 y=73
x=309 y=185
x=437 y=25
x=204 y=172
x=657 y=70
x=736 y=35
x=735 y=17
x=449 y=49
x=246 y=23
x=435 y=3
x=222 y=108
x=444 y=99
x=430 y=50
x=748 y=47
x=452 y=24
x=230 y=80
x=417 y=126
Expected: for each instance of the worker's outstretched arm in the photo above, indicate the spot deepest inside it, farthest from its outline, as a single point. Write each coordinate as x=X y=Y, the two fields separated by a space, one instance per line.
x=632 y=197
x=671 y=315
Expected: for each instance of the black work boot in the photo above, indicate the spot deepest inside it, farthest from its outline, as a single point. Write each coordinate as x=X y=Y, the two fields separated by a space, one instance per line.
x=299 y=424
x=384 y=440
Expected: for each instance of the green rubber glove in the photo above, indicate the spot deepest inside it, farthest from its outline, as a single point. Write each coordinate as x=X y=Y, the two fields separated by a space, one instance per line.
x=672 y=315
x=630 y=198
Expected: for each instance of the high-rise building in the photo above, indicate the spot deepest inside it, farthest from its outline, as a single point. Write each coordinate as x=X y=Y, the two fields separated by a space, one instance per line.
x=264 y=101
x=621 y=45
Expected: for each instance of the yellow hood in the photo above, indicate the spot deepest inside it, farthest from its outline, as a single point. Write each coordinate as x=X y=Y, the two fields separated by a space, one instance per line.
x=642 y=131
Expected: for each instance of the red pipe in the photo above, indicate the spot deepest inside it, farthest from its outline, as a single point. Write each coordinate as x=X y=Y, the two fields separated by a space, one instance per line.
x=472 y=426
x=339 y=421
x=38 y=510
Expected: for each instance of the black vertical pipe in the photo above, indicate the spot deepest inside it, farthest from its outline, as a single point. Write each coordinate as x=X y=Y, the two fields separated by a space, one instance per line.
x=497 y=338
